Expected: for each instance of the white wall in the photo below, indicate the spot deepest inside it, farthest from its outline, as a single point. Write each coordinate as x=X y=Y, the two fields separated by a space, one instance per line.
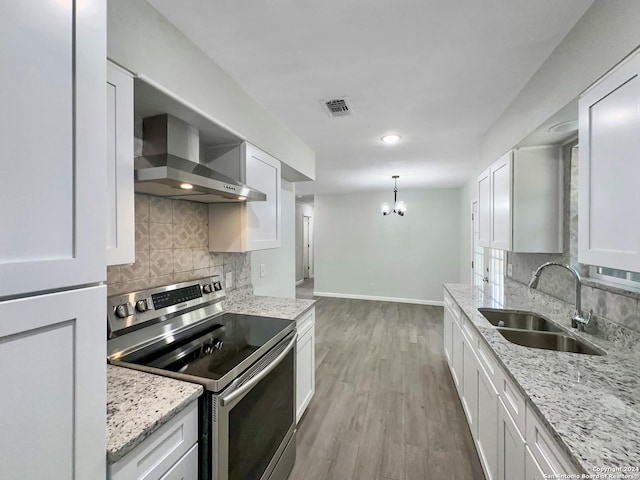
x=361 y=253
x=606 y=33
x=143 y=41
x=303 y=210
x=280 y=263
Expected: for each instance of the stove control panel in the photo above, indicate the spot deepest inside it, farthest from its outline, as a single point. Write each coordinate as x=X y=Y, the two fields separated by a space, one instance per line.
x=131 y=309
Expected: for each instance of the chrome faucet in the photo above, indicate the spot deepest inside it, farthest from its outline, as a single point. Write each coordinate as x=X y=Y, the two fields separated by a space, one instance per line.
x=578 y=320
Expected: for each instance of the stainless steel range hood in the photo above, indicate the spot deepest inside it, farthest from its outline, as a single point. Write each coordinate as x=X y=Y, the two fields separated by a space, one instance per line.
x=169 y=166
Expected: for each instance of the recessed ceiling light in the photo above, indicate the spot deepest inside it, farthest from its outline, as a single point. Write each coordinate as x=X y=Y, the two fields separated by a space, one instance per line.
x=391 y=138
x=564 y=127
x=186 y=186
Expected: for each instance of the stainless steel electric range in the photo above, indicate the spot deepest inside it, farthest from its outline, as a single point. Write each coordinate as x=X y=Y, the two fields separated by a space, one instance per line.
x=245 y=363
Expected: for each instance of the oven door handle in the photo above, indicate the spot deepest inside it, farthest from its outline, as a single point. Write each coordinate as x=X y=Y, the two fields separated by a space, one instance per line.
x=263 y=373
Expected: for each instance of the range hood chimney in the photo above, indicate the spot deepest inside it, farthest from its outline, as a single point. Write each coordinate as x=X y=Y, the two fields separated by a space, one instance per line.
x=169 y=166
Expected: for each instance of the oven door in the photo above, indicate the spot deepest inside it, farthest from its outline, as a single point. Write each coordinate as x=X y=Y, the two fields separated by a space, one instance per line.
x=253 y=420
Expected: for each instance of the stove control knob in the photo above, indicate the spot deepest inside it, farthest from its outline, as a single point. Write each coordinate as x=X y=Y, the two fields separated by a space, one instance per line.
x=206 y=288
x=124 y=310
x=217 y=286
x=142 y=306
x=217 y=344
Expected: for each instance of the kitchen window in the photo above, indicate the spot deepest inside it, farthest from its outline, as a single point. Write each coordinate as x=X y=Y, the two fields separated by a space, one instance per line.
x=621 y=277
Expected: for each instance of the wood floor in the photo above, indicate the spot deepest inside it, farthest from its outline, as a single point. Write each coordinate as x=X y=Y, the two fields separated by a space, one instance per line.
x=385 y=406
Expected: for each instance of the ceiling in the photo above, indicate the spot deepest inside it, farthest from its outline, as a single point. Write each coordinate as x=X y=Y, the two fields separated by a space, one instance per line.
x=437 y=72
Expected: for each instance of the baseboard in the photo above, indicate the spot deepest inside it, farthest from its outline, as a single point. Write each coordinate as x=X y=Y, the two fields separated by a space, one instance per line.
x=435 y=303
x=299 y=282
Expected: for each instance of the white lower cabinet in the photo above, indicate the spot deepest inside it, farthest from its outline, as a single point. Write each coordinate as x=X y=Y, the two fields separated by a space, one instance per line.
x=510 y=446
x=470 y=388
x=305 y=362
x=171 y=453
x=487 y=437
x=456 y=358
x=532 y=470
x=186 y=468
x=552 y=461
x=53 y=386
x=448 y=334
x=511 y=440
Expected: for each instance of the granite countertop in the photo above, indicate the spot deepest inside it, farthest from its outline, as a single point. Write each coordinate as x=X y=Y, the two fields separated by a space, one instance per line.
x=590 y=403
x=287 y=308
x=138 y=404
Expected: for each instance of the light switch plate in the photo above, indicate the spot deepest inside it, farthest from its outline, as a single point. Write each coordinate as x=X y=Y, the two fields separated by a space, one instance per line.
x=262 y=270
x=509 y=269
x=229 y=280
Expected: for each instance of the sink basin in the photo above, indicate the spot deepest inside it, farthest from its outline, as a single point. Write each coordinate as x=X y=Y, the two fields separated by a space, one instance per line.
x=519 y=320
x=548 y=341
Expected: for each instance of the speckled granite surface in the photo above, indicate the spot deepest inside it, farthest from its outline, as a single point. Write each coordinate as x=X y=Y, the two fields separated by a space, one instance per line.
x=138 y=404
x=590 y=403
x=288 y=308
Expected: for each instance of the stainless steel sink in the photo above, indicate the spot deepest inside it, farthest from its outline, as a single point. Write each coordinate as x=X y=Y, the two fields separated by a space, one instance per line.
x=548 y=341
x=519 y=320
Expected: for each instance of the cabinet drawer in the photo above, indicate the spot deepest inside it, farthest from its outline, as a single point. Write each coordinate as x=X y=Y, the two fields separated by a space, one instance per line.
x=155 y=456
x=305 y=321
x=547 y=453
x=513 y=400
x=488 y=361
x=452 y=306
x=186 y=468
x=470 y=332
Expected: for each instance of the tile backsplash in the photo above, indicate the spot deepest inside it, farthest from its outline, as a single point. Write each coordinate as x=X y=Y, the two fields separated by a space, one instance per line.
x=616 y=311
x=172 y=238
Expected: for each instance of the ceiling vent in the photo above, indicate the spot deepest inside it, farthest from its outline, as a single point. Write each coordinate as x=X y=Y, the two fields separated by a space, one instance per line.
x=337 y=107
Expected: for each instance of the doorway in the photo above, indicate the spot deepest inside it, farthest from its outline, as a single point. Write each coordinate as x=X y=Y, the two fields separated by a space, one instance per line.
x=306 y=270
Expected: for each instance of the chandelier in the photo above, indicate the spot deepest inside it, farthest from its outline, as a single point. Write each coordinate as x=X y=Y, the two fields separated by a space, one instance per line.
x=399 y=207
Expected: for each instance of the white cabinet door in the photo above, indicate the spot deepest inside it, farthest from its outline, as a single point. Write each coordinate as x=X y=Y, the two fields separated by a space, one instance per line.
x=448 y=335
x=457 y=367
x=484 y=208
x=609 y=117
x=532 y=470
x=53 y=377
x=305 y=374
x=264 y=218
x=487 y=438
x=511 y=447
x=520 y=201
x=243 y=227
x=470 y=380
x=500 y=232
x=53 y=141
x=120 y=196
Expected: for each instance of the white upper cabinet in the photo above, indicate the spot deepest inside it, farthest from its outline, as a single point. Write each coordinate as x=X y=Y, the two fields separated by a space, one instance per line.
x=120 y=196
x=242 y=227
x=609 y=127
x=53 y=140
x=501 y=203
x=484 y=208
x=520 y=201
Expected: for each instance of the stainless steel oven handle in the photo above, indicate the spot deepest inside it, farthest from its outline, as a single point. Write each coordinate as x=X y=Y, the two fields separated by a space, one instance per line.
x=263 y=373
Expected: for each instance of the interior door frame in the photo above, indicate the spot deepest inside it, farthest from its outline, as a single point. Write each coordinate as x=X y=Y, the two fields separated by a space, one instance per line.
x=306 y=251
